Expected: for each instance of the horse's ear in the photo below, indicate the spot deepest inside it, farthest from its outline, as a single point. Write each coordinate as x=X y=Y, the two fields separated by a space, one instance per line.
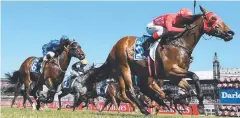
x=203 y=10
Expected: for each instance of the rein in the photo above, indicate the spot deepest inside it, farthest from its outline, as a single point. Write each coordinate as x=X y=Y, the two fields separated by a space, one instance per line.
x=58 y=63
x=173 y=42
x=58 y=58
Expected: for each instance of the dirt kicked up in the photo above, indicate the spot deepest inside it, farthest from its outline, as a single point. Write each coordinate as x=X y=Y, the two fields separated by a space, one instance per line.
x=7 y=112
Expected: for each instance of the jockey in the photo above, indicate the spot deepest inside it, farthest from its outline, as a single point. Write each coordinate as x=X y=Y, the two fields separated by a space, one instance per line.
x=165 y=23
x=77 y=68
x=50 y=49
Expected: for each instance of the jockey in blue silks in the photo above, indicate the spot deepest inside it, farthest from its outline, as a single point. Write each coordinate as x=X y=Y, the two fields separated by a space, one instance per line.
x=50 y=49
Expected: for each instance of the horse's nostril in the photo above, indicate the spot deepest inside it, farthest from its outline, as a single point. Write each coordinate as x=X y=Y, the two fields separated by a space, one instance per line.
x=230 y=33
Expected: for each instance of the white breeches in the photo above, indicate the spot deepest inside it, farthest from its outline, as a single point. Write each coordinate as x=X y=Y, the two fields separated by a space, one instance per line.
x=151 y=28
x=50 y=53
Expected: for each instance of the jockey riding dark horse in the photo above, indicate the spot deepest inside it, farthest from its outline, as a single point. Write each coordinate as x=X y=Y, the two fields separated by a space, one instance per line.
x=51 y=49
x=55 y=65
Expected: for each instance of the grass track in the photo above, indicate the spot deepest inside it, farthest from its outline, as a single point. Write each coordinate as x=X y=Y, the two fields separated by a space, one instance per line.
x=7 y=112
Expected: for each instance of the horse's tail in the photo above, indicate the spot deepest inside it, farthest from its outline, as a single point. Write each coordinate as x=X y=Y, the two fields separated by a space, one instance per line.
x=9 y=89
x=14 y=78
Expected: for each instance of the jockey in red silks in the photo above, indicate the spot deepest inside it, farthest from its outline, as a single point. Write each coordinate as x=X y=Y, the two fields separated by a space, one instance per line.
x=165 y=23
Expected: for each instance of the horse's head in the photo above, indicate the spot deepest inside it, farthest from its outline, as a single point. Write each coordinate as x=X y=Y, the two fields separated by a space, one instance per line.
x=213 y=25
x=73 y=48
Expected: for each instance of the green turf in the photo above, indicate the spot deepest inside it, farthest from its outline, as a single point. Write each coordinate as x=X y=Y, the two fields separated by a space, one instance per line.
x=7 y=112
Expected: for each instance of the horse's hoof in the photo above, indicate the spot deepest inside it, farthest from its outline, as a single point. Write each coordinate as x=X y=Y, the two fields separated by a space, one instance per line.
x=135 y=110
x=145 y=112
x=38 y=107
x=59 y=109
x=201 y=109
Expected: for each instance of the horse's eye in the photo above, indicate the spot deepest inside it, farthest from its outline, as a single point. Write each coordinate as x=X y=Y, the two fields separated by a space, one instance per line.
x=74 y=48
x=213 y=18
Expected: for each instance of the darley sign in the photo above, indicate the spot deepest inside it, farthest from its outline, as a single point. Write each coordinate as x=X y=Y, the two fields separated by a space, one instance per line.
x=230 y=95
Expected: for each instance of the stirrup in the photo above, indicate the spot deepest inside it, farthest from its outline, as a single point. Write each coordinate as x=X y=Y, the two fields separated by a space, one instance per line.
x=42 y=66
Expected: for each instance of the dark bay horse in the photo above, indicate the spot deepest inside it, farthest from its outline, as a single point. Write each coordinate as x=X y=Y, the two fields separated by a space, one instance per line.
x=113 y=97
x=172 y=60
x=52 y=76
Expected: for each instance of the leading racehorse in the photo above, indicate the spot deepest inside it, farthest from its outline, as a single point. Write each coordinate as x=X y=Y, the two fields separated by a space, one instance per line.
x=171 y=62
x=52 y=76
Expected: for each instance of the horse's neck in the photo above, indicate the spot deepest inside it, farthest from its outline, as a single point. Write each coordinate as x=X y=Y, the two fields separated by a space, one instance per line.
x=64 y=60
x=83 y=79
x=191 y=37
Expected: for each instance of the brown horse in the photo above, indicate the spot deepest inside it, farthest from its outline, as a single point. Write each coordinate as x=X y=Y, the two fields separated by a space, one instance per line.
x=52 y=76
x=113 y=97
x=172 y=60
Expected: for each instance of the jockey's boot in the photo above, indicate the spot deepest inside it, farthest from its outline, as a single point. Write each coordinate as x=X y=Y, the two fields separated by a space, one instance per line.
x=44 y=60
x=148 y=42
x=42 y=66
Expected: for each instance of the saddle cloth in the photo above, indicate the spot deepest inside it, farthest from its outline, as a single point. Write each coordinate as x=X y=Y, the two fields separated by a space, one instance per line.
x=139 y=53
x=34 y=66
x=102 y=88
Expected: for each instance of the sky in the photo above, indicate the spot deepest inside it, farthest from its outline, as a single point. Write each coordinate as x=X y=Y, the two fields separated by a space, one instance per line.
x=97 y=26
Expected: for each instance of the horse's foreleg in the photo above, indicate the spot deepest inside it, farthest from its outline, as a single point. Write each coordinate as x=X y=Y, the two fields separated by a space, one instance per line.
x=95 y=105
x=175 y=105
x=171 y=105
x=110 y=106
x=195 y=78
x=153 y=85
x=151 y=94
x=118 y=103
x=78 y=102
x=183 y=106
x=177 y=71
x=156 y=91
x=157 y=109
x=76 y=99
x=115 y=103
x=64 y=93
x=52 y=90
x=105 y=104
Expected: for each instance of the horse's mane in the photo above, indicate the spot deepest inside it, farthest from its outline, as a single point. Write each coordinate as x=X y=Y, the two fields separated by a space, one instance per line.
x=194 y=18
x=63 y=44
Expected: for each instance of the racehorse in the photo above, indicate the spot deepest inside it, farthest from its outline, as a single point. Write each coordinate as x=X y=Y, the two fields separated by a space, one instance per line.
x=172 y=59
x=76 y=88
x=52 y=76
x=113 y=97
